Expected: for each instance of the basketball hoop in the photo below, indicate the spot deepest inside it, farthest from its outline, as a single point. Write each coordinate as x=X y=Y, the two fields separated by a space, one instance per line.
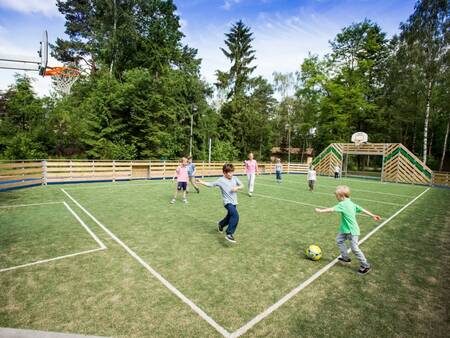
x=63 y=78
x=359 y=138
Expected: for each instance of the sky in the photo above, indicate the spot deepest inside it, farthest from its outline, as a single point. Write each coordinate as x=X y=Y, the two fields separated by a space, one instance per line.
x=284 y=31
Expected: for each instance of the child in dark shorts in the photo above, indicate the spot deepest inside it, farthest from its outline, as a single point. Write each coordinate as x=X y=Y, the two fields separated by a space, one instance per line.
x=181 y=174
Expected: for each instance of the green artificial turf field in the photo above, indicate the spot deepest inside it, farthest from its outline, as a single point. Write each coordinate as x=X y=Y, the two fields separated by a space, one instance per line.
x=167 y=272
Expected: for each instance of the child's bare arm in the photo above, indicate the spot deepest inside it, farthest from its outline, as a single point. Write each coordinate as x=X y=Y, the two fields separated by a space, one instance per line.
x=322 y=210
x=200 y=181
x=375 y=217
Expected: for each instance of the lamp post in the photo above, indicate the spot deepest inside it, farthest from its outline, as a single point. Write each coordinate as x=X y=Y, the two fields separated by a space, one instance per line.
x=194 y=109
x=288 y=127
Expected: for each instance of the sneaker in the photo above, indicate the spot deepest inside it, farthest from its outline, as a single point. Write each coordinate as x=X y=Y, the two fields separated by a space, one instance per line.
x=344 y=260
x=364 y=270
x=173 y=201
x=185 y=201
x=249 y=194
x=219 y=227
x=198 y=190
x=230 y=238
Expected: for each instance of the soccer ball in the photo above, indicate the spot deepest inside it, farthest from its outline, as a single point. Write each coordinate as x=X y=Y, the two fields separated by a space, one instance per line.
x=313 y=252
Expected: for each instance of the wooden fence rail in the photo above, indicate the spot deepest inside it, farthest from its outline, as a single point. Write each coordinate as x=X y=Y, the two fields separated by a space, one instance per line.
x=14 y=174
x=441 y=178
x=29 y=173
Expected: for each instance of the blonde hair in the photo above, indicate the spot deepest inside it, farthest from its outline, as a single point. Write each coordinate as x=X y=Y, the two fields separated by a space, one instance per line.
x=342 y=191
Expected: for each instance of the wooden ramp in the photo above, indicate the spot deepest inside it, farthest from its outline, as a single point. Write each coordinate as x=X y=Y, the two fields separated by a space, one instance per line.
x=399 y=164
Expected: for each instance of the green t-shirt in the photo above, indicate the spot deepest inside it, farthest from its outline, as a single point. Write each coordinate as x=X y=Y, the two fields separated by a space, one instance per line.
x=348 y=211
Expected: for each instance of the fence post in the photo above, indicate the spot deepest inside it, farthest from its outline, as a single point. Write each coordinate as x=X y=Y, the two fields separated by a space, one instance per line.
x=164 y=170
x=44 y=172
x=149 y=169
x=114 y=171
x=70 y=169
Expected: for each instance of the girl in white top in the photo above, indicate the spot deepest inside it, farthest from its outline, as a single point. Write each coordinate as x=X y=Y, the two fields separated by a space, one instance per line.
x=337 y=171
x=251 y=169
x=311 y=177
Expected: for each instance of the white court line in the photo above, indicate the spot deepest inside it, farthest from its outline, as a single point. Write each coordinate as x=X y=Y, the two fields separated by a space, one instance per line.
x=51 y=259
x=121 y=185
x=99 y=242
x=287 y=200
x=297 y=202
x=362 y=190
x=292 y=293
x=166 y=283
x=328 y=194
x=370 y=191
x=27 y=205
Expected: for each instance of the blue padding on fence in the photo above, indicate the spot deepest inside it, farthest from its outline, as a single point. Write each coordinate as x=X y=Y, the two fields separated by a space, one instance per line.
x=18 y=181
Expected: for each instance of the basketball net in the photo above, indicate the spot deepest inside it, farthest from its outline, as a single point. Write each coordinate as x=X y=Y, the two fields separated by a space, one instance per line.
x=63 y=78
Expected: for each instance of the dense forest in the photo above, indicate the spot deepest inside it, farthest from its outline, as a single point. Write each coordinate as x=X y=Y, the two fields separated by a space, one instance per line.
x=140 y=87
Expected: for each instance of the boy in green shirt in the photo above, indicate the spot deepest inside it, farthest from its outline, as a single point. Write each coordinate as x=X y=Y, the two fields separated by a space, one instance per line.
x=349 y=229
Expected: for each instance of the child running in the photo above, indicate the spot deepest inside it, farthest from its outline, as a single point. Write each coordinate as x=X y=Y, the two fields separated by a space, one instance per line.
x=349 y=229
x=251 y=169
x=229 y=185
x=191 y=174
x=181 y=173
x=278 y=170
x=311 y=177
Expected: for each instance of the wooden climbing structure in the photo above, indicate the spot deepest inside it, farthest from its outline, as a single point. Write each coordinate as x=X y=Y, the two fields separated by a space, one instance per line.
x=399 y=164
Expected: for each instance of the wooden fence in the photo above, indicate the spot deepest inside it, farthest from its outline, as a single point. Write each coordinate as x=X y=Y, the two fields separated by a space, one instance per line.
x=29 y=173
x=441 y=178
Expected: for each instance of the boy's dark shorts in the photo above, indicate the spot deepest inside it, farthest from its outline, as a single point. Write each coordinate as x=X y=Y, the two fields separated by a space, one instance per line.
x=182 y=186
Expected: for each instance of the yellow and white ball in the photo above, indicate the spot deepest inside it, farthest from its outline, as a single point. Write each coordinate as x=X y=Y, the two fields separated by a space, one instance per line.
x=314 y=252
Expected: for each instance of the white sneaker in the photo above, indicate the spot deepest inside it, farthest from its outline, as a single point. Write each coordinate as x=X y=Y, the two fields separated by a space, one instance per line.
x=185 y=201
x=173 y=201
x=250 y=194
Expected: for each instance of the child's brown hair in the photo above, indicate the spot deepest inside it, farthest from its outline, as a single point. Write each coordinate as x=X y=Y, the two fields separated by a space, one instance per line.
x=228 y=167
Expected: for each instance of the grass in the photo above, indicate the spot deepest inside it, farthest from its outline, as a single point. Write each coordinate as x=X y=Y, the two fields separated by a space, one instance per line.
x=108 y=293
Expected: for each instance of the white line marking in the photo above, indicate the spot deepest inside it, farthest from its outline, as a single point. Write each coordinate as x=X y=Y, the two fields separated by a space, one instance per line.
x=51 y=259
x=113 y=185
x=28 y=205
x=272 y=308
x=99 y=242
x=355 y=189
x=291 y=201
x=297 y=202
x=329 y=194
x=94 y=236
x=166 y=283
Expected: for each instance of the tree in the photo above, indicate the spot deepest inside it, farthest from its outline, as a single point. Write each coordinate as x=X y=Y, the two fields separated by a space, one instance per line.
x=426 y=34
x=241 y=54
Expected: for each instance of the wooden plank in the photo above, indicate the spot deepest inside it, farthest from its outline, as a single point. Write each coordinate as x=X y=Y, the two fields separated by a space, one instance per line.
x=14 y=178
x=21 y=171
x=81 y=175
x=18 y=165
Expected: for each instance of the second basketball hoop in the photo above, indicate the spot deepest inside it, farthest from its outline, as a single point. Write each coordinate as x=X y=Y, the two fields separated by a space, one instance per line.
x=359 y=138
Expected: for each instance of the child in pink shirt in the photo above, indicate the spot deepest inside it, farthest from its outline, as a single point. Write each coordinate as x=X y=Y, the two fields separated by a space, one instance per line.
x=251 y=169
x=182 y=176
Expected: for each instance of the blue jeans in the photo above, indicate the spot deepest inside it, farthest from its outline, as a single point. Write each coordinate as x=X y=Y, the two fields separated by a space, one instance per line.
x=278 y=174
x=231 y=219
x=340 y=240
